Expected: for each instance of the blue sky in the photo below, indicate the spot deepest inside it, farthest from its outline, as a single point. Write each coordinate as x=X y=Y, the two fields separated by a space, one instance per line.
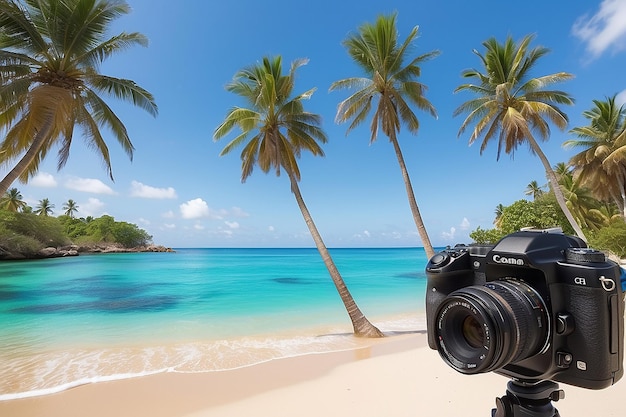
x=179 y=190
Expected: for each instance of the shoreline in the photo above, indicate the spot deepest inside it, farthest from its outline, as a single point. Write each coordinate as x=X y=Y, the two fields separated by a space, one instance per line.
x=394 y=376
x=66 y=367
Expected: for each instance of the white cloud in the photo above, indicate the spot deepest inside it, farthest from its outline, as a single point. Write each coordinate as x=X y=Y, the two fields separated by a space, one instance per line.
x=145 y=191
x=198 y=226
x=168 y=215
x=93 y=207
x=271 y=228
x=232 y=225
x=43 y=179
x=169 y=225
x=364 y=235
x=449 y=236
x=465 y=224
x=88 y=185
x=605 y=29
x=144 y=221
x=238 y=212
x=195 y=209
x=620 y=99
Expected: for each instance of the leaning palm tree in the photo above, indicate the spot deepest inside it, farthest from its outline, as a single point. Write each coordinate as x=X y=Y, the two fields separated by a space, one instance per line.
x=70 y=208
x=275 y=129
x=514 y=108
x=393 y=84
x=12 y=201
x=44 y=208
x=50 y=52
x=598 y=163
x=579 y=198
x=533 y=188
x=498 y=212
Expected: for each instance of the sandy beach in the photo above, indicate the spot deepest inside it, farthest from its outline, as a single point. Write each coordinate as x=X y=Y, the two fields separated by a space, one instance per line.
x=398 y=376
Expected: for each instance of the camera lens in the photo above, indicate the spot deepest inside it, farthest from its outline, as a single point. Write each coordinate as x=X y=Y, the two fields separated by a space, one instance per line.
x=473 y=332
x=484 y=328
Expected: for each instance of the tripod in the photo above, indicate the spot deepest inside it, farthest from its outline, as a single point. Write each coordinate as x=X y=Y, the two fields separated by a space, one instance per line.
x=528 y=400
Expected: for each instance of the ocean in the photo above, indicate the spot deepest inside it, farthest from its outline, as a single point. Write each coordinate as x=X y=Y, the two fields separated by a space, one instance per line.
x=65 y=322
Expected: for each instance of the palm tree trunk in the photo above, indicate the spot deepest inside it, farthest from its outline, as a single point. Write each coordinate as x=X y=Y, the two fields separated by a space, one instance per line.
x=417 y=217
x=29 y=156
x=362 y=326
x=622 y=190
x=556 y=188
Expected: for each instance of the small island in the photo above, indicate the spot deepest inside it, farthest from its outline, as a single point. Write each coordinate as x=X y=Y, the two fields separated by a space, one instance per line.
x=36 y=234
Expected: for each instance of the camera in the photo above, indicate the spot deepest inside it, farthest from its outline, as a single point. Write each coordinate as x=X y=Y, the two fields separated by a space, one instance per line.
x=538 y=305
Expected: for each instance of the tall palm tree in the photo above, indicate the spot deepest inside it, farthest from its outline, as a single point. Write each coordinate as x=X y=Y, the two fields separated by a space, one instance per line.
x=12 y=201
x=498 y=211
x=275 y=129
x=393 y=85
x=50 y=52
x=70 y=208
x=513 y=107
x=44 y=208
x=599 y=164
x=533 y=188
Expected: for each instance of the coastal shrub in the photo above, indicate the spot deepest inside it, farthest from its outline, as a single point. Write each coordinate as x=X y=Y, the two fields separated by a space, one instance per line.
x=46 y=230
x=611 y=238
x=12 y=242
x=488 y=236
x=101 y=229
x=74 y=228
x=541 y=213
x=129 y=235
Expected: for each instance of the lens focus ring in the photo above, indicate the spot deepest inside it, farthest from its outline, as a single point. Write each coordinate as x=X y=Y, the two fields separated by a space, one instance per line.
x=484 y=328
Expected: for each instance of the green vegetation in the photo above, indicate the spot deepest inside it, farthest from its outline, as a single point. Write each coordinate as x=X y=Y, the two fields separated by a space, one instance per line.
x=27 y=233
x=608 y=232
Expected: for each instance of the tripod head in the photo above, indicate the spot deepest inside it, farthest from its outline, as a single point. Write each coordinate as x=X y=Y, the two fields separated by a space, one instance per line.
x=528 y=399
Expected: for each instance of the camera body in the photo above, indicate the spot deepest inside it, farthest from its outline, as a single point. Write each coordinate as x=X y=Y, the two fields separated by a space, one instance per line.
x=536 y=306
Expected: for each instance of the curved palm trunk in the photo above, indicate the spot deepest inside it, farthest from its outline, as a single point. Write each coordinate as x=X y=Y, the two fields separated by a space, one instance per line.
x=362 y=326
x=28 y=157
x=558 y=193
x=417 y=217
x=622 y=190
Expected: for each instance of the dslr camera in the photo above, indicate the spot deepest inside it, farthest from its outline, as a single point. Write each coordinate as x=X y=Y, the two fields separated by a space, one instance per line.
x=538 y=305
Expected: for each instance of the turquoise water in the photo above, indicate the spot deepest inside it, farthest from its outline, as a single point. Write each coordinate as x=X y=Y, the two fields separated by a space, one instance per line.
x=70 y=321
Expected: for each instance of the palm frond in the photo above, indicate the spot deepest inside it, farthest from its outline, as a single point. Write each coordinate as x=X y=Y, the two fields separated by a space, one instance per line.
x=126 y=90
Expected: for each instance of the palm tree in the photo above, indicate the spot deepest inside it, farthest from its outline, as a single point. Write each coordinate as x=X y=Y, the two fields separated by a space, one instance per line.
x=534 y=189
x=70 y=208
x=275 y=129
x=394 y=85
x=513 y=107
x=12 y=201
x=605 y=214
x=599 y=164
x=50 y=52
x=578 y=198
x=44 y=208
x=498 y=211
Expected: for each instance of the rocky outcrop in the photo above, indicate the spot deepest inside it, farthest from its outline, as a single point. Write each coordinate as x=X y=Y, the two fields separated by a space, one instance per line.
x=115 y=248
x=75 y=250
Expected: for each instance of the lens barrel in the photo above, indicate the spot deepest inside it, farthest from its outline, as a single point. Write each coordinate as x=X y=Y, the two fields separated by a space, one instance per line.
x=484 y=328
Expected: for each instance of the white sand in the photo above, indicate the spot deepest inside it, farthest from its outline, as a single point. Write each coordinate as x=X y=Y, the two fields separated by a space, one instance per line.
x=399 y=376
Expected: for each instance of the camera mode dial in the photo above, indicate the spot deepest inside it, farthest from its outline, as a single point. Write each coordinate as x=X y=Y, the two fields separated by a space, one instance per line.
x=585 y=255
